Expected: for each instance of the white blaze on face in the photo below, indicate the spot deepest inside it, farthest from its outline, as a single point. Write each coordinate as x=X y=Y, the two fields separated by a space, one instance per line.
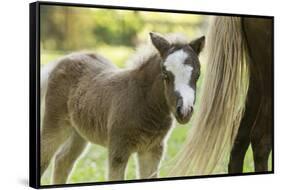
x=182 y=74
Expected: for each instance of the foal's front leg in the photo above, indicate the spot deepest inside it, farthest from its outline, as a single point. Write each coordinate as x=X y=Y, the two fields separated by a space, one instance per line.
x=149 y=162
x=118 y=157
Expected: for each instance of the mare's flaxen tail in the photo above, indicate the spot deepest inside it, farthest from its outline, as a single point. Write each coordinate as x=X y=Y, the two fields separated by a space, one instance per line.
x=222 y=100
x=44 y=77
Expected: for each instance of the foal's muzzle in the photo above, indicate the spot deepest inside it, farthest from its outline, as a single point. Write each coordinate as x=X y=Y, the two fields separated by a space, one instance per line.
x=183 y=114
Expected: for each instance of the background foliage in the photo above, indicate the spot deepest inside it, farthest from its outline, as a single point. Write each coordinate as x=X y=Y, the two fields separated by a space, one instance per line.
x=115 y=34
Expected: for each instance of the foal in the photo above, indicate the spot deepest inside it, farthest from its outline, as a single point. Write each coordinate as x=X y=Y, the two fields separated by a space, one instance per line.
x=88 y=99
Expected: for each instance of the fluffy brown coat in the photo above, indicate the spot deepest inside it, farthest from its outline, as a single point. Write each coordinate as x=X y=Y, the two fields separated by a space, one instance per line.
x=88 y=99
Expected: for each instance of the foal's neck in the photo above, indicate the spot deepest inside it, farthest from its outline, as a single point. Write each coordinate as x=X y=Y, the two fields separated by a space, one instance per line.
x=149 y=75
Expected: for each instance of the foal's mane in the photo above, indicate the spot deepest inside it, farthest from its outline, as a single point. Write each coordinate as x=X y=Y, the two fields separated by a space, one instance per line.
x=146 y=51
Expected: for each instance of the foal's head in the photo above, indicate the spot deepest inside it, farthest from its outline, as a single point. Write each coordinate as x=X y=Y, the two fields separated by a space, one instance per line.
x=180 y=69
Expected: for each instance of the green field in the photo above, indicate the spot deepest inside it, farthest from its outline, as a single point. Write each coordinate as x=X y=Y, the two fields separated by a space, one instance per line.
x=92 y=165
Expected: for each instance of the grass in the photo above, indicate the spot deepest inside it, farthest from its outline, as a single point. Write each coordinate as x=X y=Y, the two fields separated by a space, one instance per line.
x=91 y=167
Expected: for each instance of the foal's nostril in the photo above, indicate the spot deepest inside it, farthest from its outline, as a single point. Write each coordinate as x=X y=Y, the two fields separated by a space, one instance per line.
x=191 y=109
x=179 y=106
x=178 y=110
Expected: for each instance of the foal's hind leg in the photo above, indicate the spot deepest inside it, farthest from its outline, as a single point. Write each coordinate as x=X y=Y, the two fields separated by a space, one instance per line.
x=66 y=157
x=149 y=161
x=53 y=135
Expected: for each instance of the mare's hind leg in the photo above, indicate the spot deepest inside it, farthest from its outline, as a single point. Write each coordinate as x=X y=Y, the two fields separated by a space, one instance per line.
x=242 y=139
x=53 y=135
x=239 y=149
x=259 y=36
x=261 y=151
x=261 y=139
x=149 y=161
x=66 y=157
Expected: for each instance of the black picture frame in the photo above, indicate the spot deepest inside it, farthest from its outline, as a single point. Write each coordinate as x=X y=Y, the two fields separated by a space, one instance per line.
x=34 y=91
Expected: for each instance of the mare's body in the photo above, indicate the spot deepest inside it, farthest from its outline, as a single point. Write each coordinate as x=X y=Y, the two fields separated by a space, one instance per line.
x=257 y=124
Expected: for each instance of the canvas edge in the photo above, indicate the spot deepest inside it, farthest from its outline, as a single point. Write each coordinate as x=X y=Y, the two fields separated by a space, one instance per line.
x=34 y=93
x=34 y=98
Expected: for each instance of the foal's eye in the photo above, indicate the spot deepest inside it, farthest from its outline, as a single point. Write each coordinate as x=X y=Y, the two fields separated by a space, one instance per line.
x=165 y=75
x=196 y=78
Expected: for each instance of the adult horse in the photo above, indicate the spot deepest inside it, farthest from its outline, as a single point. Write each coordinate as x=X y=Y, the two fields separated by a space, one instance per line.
x=237 y=101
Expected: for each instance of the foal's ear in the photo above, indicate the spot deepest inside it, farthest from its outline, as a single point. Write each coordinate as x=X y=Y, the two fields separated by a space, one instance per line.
x=160 y=43
x=198 y=44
